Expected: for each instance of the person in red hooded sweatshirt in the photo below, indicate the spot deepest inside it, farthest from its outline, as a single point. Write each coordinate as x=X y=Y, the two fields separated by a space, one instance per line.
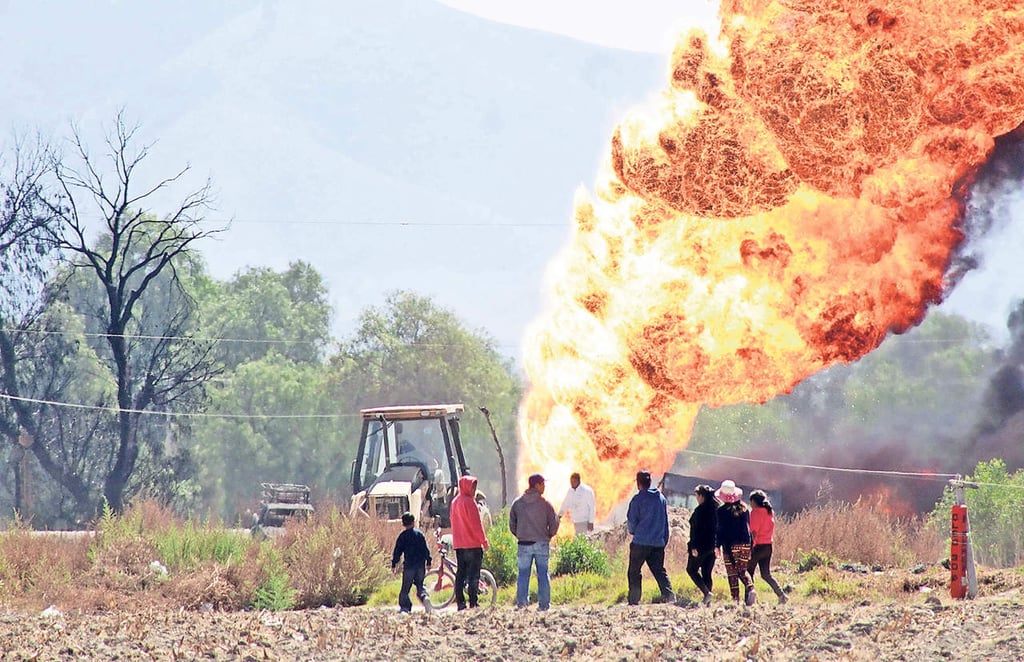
x=469 y=541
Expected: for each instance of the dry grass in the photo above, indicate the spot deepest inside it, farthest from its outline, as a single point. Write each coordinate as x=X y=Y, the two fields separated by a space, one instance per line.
x=38 y=568
x=335 y=559
x=861 y=532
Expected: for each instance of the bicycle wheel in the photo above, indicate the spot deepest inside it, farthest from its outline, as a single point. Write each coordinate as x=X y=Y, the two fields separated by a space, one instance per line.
x=488 y=588
x=440 y=585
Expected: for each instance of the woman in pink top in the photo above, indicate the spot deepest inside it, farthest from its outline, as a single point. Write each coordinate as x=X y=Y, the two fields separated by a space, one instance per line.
x=762 y=529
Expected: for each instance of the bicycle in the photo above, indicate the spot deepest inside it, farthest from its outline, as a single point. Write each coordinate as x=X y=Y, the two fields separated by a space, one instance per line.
x=440 y=582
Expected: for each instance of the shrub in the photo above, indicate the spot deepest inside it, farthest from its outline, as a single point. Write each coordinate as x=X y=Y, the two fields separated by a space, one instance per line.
x=274 y=593
x=336 y=560
x=578 y=555
x=808 y=561
x=39 y=565
x=500 y=557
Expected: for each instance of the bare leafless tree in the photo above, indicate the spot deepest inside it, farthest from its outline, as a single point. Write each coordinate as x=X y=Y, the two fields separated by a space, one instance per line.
x=27 y=224
x=136 y=261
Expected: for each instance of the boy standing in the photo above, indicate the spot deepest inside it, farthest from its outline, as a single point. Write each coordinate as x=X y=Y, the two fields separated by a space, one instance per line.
x=413 y=544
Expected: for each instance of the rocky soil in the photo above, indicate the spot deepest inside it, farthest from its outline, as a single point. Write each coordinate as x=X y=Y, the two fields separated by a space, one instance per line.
x=921 y=625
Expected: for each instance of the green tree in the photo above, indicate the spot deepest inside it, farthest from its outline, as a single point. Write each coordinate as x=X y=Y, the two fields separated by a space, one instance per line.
x=995 y=512
x=270 y=419
x=412 y=351
x=261 y=310
x=266 y=424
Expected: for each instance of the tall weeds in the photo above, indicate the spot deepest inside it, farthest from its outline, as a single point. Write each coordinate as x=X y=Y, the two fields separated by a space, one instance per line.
x=861 y=532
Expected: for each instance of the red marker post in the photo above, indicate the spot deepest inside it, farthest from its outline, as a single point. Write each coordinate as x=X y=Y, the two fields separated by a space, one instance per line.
x=963 y=583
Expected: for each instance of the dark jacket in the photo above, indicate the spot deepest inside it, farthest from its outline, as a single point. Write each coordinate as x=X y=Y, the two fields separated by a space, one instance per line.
x=647 y=518
x=733 y=525
x=704 y=527
x=531 y=518
x=413 y=544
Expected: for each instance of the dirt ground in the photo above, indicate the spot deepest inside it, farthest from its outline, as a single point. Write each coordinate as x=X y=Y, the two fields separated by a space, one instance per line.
x=923 y=625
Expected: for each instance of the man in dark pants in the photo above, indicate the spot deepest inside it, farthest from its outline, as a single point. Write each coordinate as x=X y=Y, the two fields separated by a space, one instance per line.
x=647 y=521
x=413 y=545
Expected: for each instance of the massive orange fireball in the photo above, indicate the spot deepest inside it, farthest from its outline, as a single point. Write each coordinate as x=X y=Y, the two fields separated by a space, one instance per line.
x=793 y=196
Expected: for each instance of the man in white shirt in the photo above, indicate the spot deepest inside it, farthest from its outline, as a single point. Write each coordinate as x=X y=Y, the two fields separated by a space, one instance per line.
x=579 y=502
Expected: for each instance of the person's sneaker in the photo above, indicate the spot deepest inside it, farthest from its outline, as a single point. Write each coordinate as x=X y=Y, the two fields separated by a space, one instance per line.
x=707 y=600
x=783 y=598
x=460 y=607
x=542 y=608
x=751 y=597
x=427 y=607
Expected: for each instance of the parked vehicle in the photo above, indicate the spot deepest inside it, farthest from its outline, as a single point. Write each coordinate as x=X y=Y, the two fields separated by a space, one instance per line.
x=279 y=503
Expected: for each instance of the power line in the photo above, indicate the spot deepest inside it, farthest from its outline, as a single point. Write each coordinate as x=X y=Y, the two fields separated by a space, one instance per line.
x=178 y=414
x=255 y=341
x=384 y=223
x=270 y=341
x=911 y=474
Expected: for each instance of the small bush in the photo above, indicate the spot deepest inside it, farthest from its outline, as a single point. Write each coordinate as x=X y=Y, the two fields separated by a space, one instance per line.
x=825 y=584
x=39 y=565
x=275 y=593
x=578 y=555
x=808 y=561
x=336 y=560
x=500 y=557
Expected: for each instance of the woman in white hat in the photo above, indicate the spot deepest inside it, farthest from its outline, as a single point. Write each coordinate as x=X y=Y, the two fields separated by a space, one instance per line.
x=734 y=539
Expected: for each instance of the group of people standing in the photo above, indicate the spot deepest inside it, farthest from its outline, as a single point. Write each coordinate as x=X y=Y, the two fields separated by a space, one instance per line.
x=722 y=523
x=743 y=533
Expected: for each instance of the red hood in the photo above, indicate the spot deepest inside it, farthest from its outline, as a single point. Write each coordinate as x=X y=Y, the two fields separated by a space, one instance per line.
x=467 y=486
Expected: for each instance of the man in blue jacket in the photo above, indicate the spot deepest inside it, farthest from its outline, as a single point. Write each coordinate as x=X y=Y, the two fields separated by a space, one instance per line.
x=647 y=521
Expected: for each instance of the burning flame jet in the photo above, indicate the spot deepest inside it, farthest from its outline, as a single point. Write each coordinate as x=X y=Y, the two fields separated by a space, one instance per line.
x=795 y=195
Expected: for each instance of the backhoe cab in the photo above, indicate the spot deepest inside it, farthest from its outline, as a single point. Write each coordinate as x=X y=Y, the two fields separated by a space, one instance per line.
x=409 y=459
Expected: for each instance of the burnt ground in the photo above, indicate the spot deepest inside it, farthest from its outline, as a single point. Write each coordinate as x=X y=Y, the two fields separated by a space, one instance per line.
x=922 y=624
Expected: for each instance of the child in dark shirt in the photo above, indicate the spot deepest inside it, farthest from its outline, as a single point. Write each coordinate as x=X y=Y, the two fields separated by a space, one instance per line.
x=413 y=545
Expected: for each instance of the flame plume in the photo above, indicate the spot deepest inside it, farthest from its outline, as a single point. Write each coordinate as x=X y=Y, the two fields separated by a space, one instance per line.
x=779 y=209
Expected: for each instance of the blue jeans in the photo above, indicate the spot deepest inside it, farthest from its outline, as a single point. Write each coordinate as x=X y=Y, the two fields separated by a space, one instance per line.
x=526 y=556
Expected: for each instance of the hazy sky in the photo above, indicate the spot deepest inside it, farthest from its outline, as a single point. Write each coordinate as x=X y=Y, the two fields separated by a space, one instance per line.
x=638 y=25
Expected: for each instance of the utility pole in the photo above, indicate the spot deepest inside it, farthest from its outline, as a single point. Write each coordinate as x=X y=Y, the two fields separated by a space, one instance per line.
x=961 y=553
x=501 y=458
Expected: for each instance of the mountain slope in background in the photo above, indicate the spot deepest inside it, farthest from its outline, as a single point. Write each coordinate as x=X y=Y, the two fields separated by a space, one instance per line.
x=319 y=121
